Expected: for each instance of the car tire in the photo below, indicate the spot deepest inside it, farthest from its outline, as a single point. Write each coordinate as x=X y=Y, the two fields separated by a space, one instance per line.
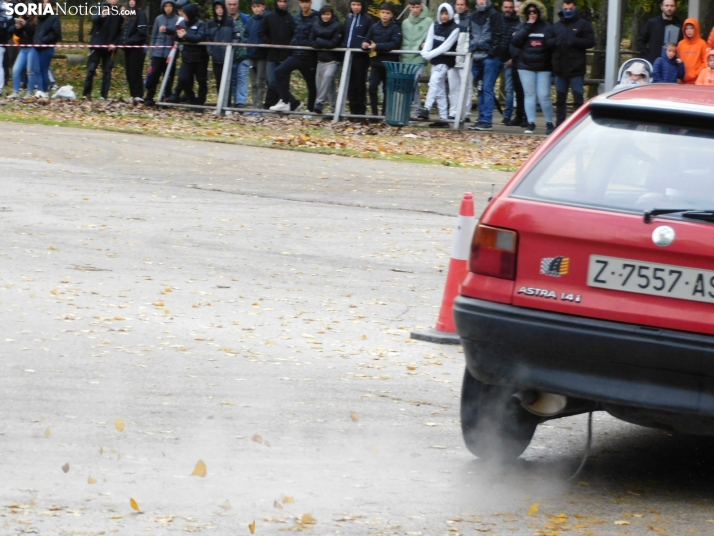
x=494 y=424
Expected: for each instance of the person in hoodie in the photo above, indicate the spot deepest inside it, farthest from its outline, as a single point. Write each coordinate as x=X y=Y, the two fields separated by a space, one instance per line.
x=277 y=29
x=414 y=31
x=326 y=34
x=668 y=68
x=304 y=61
x=134 y=33
x=381 y=40
x=357 y=25
x=106 y=30
x=47 y=32
x=162 y=35
x=219 y=30
x=258 y=73
x=458 y=75
x=24 y=32
x=442 y=37
x=194 y=64
x=706 y=77
x=240 y=73
x=485 y=29
x=692 y=50
x=572 y=36
x=658 y=31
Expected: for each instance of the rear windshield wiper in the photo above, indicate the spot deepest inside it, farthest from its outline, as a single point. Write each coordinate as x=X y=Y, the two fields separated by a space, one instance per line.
x=704 y=215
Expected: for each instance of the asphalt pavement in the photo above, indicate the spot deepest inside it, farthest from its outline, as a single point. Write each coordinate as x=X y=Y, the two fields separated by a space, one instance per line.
x=202 y=337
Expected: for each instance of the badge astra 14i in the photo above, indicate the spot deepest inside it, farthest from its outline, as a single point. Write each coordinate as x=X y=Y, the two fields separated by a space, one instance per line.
x=591 y=276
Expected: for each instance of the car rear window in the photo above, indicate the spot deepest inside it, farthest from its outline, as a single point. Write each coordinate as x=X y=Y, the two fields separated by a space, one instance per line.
x=626 y=166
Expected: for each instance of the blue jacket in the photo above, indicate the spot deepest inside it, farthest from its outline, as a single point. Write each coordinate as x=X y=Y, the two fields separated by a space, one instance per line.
x=666 y=70
x=253 y=31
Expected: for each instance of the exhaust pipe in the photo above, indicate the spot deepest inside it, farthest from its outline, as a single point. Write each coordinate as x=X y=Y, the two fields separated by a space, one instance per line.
x=542 y=404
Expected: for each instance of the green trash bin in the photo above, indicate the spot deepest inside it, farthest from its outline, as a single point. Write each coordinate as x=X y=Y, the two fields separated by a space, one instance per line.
x=401 y=85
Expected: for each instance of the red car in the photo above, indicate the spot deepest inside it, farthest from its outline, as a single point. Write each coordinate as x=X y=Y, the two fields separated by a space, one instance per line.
x=591 y=283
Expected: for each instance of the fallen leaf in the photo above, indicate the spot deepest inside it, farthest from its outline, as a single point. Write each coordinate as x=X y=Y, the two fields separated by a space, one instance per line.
x=621 y=522
x=48 y=433
x=65 y=468
x=252 y=527
x=200 y=469
x=258 y=438
x=354 y=416
x=119 y=424
x=90 y=481
x=288 y=499
x=307 y=519
x=277 y=505
x=533 y=509
x=134 y=504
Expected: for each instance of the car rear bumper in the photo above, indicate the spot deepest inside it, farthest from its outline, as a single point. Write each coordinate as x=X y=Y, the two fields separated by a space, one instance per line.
x=600 y=360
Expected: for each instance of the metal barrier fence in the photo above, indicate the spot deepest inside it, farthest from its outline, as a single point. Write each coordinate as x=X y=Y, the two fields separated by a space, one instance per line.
x=338 y=113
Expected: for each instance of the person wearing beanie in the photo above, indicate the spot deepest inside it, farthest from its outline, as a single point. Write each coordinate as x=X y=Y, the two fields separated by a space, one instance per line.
x=219 y=30
x=194 y=65
x=442 y=37
x=357 y=25
x=326 y=33
x=692 y=50
x=134 y=33
x=162 y=35
x=414 y=30
x=573 y=35
x=106 y=30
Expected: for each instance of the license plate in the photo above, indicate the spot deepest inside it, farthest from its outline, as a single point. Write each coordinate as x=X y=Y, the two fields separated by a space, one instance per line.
x=640 y=277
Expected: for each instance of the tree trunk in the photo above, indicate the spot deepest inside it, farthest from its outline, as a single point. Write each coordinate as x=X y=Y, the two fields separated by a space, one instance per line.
x=706 y=17
x=597 y=70
x=80 y=29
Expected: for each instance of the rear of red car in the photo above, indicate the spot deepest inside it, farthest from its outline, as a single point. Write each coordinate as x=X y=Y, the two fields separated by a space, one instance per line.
x=576 y=291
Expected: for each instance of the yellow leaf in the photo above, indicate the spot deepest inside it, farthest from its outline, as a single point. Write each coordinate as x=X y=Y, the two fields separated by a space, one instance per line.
x=258 y=438
x=200 y=469
x=166 y=311
x=354 y=416
x=411 y=367
x=48 y=433
x=252 y=527
x=307 y=519
x=288 y=500
x=363 y=337
x=621 y=522
x=134 y=504
x=90 y=480
x=533 y=509
x=119 y=424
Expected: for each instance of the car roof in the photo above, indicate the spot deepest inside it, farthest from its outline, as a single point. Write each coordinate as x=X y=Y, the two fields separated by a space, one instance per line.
x=660 y=102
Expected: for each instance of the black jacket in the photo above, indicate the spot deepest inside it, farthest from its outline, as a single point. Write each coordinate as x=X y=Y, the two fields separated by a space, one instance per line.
x=301 y=37
x=571 y=38
x=134 y=31
x=196 y=32
x=509 y=27
x=277 y=29
x=485 y=29
x=219 y=31
x=356 y=28
x=26 y=33
x=651 y=38
x=48 y=30
x=387 y=38
x=106 y=30
x=533 y=42
x=325 y=36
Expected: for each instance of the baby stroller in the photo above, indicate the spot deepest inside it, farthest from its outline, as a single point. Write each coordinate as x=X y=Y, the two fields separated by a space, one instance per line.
x=634 y=72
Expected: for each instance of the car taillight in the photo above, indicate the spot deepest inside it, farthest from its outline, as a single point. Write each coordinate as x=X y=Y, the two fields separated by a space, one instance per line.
x=494 y=252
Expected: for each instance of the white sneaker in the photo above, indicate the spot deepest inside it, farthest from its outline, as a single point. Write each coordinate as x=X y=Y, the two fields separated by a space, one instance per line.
x=42 y=94
x=280 y=107
x=13 y=95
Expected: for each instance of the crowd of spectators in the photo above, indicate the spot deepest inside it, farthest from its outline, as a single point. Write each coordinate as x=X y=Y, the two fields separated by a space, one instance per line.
x=514 y=43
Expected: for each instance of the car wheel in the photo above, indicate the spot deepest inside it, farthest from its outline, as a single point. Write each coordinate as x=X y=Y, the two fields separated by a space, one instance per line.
x=494 y=424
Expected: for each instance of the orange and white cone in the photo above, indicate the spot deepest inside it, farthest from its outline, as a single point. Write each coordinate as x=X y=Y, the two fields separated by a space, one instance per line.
x=445 y=330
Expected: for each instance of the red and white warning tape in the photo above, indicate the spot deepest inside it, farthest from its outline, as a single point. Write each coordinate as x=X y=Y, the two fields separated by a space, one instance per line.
x=60 y=45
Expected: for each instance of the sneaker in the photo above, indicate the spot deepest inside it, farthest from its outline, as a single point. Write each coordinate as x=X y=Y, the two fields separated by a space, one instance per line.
x=506 y=121
x=13 y=95
x=439 y=124
x=484 y=126
x=525 y=123
x=138 y=100
x=295 y=106
x=450 y=118
x=531 y=128
x=42 y=94
x=280 y=107
x=149 y=102
x=422 y=114
x=54 y=87
x=318 y=108
x=467 y=120
x=549 y=128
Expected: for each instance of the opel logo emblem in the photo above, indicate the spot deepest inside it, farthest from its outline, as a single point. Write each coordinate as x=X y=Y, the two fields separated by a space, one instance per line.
x=663 y=235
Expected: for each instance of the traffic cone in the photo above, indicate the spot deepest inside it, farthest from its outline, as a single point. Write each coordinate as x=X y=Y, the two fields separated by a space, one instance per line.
x=445 y=330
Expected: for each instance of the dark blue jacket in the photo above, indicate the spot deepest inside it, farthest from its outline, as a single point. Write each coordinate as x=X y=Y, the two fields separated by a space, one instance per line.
x=387 y=38
x=666 y=70
x=196 y=32
x=301 y=37
x=356 y=28
x=106 y=30
x=253 y=31
x=325 y=36
x=48 y=30
x=219 y=31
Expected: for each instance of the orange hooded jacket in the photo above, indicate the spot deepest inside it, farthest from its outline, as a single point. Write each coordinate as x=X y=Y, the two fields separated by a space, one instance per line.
x=706 y=77
x=692 y=52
